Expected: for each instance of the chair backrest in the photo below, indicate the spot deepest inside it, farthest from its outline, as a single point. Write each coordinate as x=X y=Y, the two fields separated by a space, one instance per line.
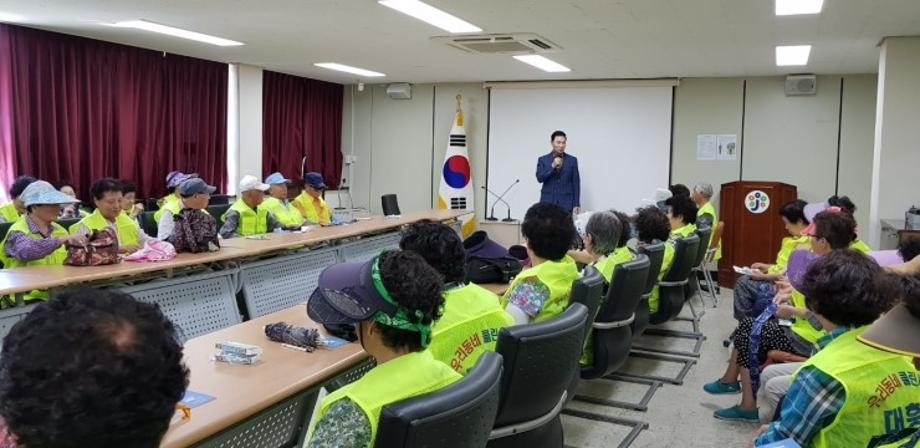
x=588 y=291
x=4 y=229
x=539 y=362
x=66 y=223
x=717 y=235
x=612 y=333
x=217 y=211
x=685 y=250
x=655 y=254
x=671 y=295
x=148 y=223
x=220 y=199
x=458 y=416
x=704 y=234
x=390 y=205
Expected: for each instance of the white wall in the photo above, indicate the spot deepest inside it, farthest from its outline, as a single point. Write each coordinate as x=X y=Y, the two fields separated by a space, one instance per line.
x=786 y=139
x=776 y=128
x=895 y=183
x=400 y=144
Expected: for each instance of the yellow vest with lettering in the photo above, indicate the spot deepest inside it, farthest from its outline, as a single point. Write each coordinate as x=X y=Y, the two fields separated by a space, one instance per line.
x=404 y=377
x=558 y=277
x=310 y=213
x=170 y=202
x=252 y=222
x=125 y=227
x=468 y=327
x=708 y=209
x=54 y=258
x=911 y=440
x=882 y=390
x=284 y=213
x=9 y=212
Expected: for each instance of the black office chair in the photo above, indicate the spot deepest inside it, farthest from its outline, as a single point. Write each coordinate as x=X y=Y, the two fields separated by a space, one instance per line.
x=539 y=362
x=588 y=291
x=655 y=254
x=671 y=296
x=148 y=223
x=220 y=199
x=458 y=416
x=217 y=211
x=4 y=229
x=693 y=286
x=390 y=205
x=612 y=335
x=671 y=292
x=612 y=338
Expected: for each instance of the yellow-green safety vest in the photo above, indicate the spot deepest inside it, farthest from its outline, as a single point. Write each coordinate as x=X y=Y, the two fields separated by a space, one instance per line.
x=882 y=392
x=860 y=246
x=606 y=266
x=252 y=222
x=322 y=216
x=56 y=257
x=654 y=299
x=284 y=212
x=468 y=327
x=9 y=212
x=788 y=245
x=171 y=203
x=404 y=377
x=125 y=227
x=557 y=276
x=708 y=209
x=801 y=326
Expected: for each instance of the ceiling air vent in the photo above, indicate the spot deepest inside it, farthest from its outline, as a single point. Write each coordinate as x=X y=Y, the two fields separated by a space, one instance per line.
x=506 y=44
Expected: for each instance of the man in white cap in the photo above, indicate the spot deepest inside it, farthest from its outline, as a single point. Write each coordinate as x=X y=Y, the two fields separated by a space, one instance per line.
x=245 y=217
x=277 y=202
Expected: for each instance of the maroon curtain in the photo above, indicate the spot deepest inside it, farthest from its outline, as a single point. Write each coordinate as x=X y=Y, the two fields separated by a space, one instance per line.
x=301 y=117
x=83 y=109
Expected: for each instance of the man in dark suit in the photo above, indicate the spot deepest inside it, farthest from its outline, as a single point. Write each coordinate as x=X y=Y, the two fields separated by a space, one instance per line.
x=558 y=172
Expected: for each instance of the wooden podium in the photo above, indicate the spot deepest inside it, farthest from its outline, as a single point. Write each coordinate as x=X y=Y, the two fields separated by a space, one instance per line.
x=753 y=227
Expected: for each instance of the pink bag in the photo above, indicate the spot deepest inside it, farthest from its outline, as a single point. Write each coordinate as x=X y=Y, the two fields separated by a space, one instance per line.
x=153 y=250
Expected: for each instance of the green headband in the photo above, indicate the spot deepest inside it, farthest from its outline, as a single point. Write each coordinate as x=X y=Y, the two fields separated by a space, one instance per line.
x=400 y=319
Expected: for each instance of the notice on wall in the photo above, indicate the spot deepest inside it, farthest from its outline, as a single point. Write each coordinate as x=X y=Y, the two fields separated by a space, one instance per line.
x=717 y=147
x=707 y=147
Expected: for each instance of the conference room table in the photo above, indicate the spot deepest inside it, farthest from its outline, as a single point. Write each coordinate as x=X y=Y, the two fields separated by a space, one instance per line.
x=200 y=292
x=267 y=404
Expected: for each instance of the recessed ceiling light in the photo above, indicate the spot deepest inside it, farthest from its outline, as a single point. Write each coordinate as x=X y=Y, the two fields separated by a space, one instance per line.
x=177 y=32
x=795 y=7
x=542 y=63
x=792 y=54
x=10 y=17
x=432 y=15
x=349 y=69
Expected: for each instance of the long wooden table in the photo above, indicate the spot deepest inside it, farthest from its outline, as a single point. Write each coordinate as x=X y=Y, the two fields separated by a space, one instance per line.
x=20 y=280
x=244 y=392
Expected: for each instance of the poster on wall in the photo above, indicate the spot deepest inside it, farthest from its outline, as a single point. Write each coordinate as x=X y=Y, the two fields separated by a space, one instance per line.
x=711 y=147
x=727 y=146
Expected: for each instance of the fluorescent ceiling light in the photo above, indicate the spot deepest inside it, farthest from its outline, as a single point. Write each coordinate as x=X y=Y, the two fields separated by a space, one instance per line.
x=432 y=15
x=349 y=69
x=177 y=32
x=542 y=63
x=10 y=17
x=794 y=7
x=792 y=54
